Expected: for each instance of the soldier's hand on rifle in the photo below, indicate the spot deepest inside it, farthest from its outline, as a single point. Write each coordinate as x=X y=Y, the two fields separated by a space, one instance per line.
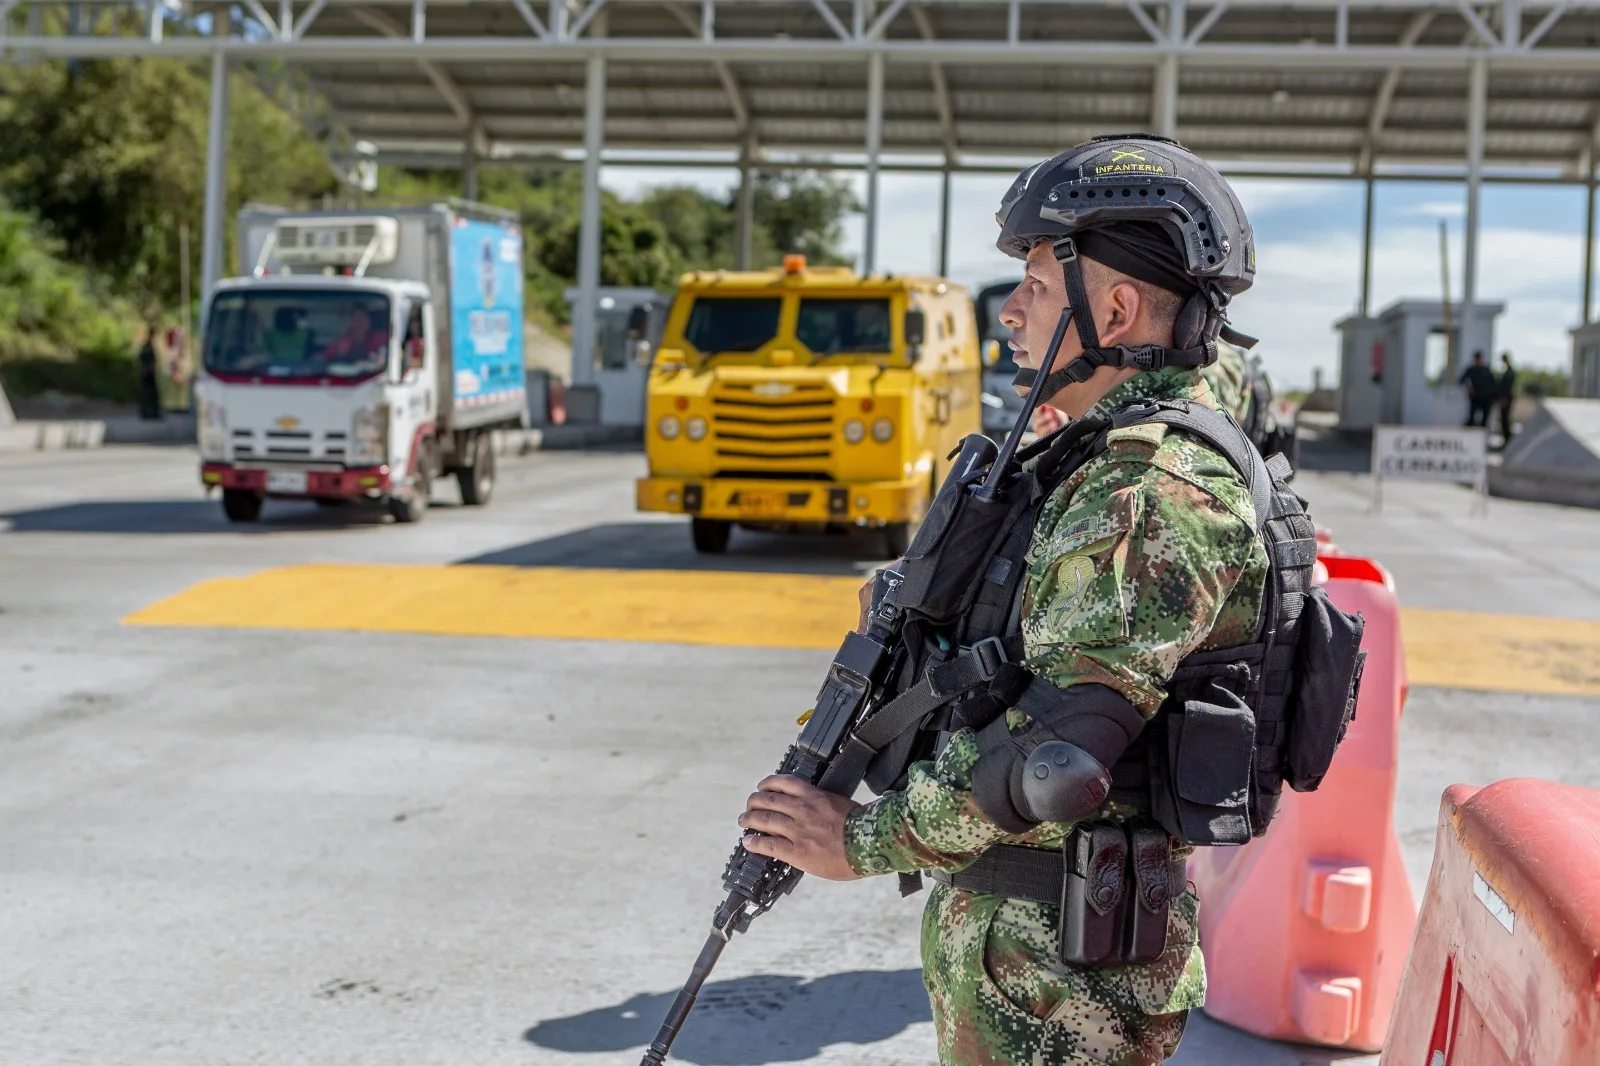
x=798 y=823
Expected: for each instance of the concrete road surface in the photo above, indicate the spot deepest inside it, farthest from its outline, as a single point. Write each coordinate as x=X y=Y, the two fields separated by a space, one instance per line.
x=228 y=844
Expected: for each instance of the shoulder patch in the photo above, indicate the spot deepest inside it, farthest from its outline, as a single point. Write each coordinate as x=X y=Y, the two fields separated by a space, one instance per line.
x=1149 y=434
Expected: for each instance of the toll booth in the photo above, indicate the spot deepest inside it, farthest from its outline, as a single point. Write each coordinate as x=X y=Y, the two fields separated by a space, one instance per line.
x=1586 y=361
x=1394 y=367
x=608 y=384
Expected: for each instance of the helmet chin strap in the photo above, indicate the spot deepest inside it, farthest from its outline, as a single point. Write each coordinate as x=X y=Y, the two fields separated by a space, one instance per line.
x=1095 y=356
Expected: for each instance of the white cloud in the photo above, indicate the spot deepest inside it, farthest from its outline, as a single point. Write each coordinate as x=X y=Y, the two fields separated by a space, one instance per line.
x=1437 y=209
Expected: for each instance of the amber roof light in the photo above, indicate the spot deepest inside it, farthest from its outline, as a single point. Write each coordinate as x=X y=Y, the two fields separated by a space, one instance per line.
x=794 y=264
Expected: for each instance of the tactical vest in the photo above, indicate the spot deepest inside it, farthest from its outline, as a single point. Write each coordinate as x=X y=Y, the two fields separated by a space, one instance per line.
x=1238 y=723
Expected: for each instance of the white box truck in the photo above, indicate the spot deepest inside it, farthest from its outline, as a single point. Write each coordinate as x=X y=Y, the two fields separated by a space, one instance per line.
x=361 y=356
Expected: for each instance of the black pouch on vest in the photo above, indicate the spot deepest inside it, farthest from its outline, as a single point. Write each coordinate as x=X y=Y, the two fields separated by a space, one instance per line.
x=1323 y=701
x=1200 y=776
x=1092 y=895
x=1157 y=880
x=956 y=539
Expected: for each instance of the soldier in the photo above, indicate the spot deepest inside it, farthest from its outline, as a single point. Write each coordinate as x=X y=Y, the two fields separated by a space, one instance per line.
x=1145 y=554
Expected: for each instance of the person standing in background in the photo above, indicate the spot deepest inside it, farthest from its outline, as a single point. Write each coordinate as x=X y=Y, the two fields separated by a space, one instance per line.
x=149 y=387
x=1481 y=390
x=1505 y=396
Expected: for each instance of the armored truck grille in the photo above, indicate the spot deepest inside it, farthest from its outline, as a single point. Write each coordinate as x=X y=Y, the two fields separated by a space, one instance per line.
x=768 y=429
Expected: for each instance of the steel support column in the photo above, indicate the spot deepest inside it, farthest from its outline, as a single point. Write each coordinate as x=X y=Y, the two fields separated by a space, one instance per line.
x=216 y=204
x=1165 y=102
x=583 y=314
x=1477 y=93
x=1588 y=249
x=869 y=250
x=747 y=216
x=1366 y=250
x=944 y=223
x=469 y=163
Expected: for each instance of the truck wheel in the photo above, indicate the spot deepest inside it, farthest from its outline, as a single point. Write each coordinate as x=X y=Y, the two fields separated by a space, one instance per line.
x=477 y=479
x=710 y=535
x=897 y=538
x=241 y=505
x=412 y=508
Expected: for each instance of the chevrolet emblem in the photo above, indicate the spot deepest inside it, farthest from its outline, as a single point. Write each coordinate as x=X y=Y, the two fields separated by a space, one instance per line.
x=287 y=422
x=773 y=389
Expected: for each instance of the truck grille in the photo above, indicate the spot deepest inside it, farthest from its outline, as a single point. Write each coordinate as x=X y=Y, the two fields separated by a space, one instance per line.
x=288 y=444
x=758 y=434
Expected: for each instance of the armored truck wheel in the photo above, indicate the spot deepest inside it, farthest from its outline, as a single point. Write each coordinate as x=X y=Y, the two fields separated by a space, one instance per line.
x=413 y=507
x=241 y=505
x=477 y=478
x=710 y=535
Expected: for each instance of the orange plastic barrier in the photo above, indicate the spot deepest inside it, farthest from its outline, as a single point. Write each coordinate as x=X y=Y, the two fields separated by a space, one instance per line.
x=1305 y=930
x=1506 y=964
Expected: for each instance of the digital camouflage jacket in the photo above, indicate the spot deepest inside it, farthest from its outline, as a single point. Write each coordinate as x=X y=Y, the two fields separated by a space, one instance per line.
x=1144 y=555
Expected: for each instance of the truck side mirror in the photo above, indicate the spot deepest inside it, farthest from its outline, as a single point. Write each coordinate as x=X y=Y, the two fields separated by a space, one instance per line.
x=639 y=322
x=991 y=352
x=915 y=328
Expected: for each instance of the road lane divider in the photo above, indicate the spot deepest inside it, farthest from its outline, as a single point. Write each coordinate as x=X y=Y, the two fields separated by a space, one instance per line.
x=1448 y=649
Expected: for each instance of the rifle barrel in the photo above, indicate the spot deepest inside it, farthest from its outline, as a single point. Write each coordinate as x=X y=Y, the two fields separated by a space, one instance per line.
x=656 y=1054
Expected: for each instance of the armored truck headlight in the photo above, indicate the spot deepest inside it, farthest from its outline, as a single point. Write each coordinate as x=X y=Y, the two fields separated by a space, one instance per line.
x=669 y=427
x=882 y=430
x=855 y=431
x=369 y=445
x=695 y=428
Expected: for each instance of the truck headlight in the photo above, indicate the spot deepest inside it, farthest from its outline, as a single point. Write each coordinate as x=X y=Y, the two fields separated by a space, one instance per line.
x=369 y=441
x=855 y=431
x=695 y=428
x=212 y=429
x=882 y=430
x=669 y=427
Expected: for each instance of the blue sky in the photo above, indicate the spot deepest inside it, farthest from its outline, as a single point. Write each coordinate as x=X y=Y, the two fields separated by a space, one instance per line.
x=1308 y=236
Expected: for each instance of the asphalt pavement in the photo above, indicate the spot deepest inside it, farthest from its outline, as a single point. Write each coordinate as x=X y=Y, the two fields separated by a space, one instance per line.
x=229 y=844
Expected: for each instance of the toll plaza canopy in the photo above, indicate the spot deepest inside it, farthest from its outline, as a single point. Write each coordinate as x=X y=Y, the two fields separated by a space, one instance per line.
x=1503 y=90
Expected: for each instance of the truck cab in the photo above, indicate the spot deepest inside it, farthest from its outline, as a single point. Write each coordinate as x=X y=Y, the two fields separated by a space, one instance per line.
x=807 y=399
x=361 y=358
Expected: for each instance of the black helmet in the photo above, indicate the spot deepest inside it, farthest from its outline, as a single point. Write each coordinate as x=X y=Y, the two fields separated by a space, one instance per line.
x=1146 y=206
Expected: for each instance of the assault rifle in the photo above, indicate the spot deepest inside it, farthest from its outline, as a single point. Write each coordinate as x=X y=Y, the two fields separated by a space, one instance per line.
x=972 y=493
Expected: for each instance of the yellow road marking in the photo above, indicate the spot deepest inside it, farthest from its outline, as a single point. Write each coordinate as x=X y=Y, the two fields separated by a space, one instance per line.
x=676 y=606
x=1452 y=649
x=1502 y=652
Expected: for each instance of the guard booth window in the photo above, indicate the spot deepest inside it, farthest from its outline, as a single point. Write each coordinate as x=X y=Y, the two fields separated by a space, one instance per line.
x=829 y=327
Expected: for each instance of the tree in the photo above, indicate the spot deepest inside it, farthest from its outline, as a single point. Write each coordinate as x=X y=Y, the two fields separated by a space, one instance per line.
x=115 y=158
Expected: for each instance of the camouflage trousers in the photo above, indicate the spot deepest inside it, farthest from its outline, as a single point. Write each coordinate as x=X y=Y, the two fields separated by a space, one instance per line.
x=1001 y=997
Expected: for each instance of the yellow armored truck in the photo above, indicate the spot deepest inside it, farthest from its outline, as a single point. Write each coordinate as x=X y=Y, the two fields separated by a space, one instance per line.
x=808 y=399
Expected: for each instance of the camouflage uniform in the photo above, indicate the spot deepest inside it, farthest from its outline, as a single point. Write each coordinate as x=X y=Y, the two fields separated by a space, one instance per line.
x=1229 y=380
x=1145 y=554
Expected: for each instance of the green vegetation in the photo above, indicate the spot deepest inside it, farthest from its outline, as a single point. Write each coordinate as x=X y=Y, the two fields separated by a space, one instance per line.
x=1532 y=381
x=106 y=162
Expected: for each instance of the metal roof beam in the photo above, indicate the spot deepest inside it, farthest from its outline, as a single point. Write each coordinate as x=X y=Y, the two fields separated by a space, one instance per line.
x=1480 y=27
x=730 y=84
x=1545 y=24
x=831 y=19
x=1384 y=98
x=448 y=89
x=941 y=90
x=1139 y=14
x=1203 y=27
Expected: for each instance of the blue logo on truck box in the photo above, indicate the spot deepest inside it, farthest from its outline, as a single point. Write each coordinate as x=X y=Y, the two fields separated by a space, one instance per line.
x=486 y=310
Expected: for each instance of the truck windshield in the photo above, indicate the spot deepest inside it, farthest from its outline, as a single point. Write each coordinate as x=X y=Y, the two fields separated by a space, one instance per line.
x=731 y=324
x=831 y=326
x=306 y=334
